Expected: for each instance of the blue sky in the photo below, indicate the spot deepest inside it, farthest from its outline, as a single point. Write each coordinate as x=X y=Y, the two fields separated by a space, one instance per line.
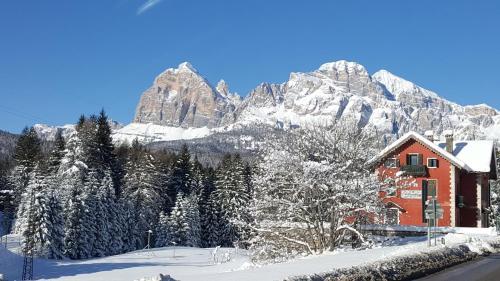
x=59 y=58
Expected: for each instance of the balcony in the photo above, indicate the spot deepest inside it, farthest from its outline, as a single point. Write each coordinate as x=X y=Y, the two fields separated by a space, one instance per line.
x=414 y=170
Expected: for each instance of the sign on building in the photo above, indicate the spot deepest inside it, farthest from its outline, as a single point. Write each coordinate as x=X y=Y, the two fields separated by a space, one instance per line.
x=411 y=194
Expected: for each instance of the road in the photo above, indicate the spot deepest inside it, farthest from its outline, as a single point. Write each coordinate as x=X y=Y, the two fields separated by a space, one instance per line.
x=482 y=269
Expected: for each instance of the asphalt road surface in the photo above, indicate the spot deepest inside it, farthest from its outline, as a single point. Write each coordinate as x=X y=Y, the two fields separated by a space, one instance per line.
x=482 y=269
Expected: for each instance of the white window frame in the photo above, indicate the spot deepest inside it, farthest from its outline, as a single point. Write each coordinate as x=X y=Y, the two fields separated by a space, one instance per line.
x=432 y=158
x=395 y=162
x=414 y=154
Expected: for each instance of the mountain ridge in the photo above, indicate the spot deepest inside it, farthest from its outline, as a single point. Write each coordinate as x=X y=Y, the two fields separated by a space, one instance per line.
x=341 y=89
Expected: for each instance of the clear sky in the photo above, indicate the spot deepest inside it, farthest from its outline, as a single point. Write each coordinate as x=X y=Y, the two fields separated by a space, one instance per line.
x=60 y=58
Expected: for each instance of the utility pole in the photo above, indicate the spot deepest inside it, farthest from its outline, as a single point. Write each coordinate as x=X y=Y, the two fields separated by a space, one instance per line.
x=29 y=244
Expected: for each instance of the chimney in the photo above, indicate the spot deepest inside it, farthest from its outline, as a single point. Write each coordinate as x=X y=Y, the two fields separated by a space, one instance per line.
x=448 y=135
x=429 y=135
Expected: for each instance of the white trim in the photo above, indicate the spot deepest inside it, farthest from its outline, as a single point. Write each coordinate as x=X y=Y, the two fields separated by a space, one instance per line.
x=478 y=203
x=437 y=162
x=424 y=141
x=452 y=196
x=395 y=162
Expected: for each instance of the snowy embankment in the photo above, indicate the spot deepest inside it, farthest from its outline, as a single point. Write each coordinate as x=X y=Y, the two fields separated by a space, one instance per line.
x=410 y=267
x=183 y=263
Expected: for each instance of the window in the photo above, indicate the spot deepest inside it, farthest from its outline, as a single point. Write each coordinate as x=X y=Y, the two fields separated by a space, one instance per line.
x=429 y=189
x=391 y=163
x=392 y=216
x=432 y=163
x=432 y=188
x=414 y=159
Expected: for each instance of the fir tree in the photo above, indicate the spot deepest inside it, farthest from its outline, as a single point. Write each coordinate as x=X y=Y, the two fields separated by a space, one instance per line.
x=77 y=240
x=184 y=222
x=142 y=190
x=180 y=180
x=43 y=217
x=26 y=155
x=53 y=247
x=233 y=199
x=56 y=154
x=162 y=231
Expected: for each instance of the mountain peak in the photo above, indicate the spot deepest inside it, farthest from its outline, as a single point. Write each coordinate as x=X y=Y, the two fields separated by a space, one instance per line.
x=186 y=66
x=342 y=65
x=397 y=85
x=222 y=88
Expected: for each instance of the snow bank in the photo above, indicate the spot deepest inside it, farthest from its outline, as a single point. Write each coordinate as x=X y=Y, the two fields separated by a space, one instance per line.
x=409 y=267
x=441 y=229
x=160 y=277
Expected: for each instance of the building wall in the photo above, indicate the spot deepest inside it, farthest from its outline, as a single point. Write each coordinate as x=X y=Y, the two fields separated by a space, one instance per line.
x=468 y=190
x=413 y=214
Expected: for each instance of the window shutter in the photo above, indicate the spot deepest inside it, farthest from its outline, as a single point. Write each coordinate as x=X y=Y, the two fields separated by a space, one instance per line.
x=397 y=162
x=420 y=159
x=408 y=159
x=437 y=163
x=424 y=199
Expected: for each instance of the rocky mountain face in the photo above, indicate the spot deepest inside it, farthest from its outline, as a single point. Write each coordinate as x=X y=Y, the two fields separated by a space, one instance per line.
x=338 y=90
x=183 y=98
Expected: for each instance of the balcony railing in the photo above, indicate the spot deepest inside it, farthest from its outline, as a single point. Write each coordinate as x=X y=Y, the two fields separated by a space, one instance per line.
x=414 y=170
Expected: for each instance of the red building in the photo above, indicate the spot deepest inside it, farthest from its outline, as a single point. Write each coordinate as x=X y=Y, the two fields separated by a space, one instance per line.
x=415 y=168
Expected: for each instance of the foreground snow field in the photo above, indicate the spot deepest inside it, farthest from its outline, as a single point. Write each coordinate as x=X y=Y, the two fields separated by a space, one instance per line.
x=183 y=263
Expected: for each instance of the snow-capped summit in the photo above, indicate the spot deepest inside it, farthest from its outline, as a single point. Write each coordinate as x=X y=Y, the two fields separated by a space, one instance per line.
x=343 y=66
x=337 y=90
x=186 y=66
x=397 y=85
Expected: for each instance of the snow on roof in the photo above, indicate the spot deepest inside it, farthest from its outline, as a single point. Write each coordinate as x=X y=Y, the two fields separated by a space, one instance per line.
x=424 y=141
x=476 y=154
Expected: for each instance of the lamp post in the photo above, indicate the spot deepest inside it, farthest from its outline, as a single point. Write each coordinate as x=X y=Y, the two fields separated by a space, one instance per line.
x=174 y=243
x=149 y=239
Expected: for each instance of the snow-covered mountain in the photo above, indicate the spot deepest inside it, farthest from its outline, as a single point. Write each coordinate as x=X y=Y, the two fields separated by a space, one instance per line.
x=182 y=104
x=181 y=97
x=338 y=90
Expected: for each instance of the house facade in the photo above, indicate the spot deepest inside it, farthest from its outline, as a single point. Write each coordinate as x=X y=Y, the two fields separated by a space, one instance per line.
x=416 y=168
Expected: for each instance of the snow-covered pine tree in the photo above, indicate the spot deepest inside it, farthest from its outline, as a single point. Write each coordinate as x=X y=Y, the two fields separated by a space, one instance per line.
x=108 y=159
x=214 y=226
x=197 y=177
x=192 y=216
x=142 y=191
x=77 y=239
x=115 y=215
x=180 y=180
x=26 y=156
x=162 y=231
x=43 y=217
x=6 y=200
x=163 y=164
x=53 y=247
x=209 y=211
x=184 y=222
x=96 y=202
x=57 y=153
x=232 y=197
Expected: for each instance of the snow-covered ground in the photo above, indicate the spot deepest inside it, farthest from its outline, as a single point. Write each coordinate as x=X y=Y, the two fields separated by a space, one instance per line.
x=197 y=264
x=154 y=133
